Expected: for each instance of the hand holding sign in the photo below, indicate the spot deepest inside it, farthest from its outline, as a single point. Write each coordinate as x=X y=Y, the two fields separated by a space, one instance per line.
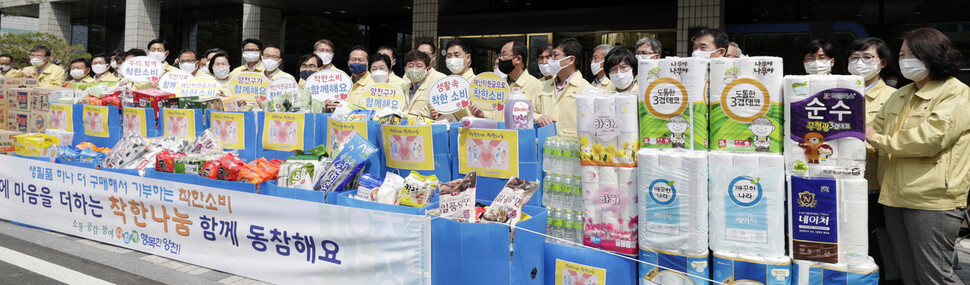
x=450 y=94
x=489 y=91
x=141 y=69
x=382 y=95
x=329 y=84
x=170 y=80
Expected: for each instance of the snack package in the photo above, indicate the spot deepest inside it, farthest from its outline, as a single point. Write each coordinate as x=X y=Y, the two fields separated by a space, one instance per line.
x=211 y=169
x=346 y=164
x=367 y=187
x=130 y=146
x=360 y=115
x=67 y=153
x=91 y=156
x=418 y=189
x=297 y=174
x=64 y=137
x=456 y=199
x=191 y=164
x=507 y=206
x=165 y=161
x=205 y=143
x=390 y=189
x=229 y=166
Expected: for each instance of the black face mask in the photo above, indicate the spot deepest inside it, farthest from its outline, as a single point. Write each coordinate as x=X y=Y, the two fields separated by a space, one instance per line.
x=505 y=66
x=306 y=74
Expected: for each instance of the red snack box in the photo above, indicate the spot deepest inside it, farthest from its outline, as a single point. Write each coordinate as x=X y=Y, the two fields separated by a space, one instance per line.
x=152 y=98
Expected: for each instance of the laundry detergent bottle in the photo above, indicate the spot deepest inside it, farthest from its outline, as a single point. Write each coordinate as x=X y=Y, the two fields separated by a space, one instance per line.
x=518 y=111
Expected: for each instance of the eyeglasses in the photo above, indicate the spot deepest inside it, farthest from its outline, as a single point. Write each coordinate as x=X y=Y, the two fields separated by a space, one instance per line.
x=645 y=53
x=620 y=68
x=821 y=57
x=308 y=66
x=271 y=56
x=865 y=58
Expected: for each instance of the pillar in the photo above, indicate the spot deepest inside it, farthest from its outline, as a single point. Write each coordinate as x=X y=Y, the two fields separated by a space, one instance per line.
x=55 y=18
x=693 y=15
x=424 y=21
x=262 y=23
x=142 y=22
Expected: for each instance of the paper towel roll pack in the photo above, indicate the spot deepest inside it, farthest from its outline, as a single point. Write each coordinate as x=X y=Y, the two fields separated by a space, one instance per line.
x=674 y=268
x=673 y=200
x=746 y=104
x=673 y=103
x=825 y=126
x=747 y=203
x=829 y=219
x=733 y=268
x=610 y=208
x=815 y=273
x=607 y=126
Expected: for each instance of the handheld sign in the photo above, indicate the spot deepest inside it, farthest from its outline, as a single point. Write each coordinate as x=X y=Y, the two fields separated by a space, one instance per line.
x=381 y=95
x=329 y=84
x=249 y=86
x=489 y=92
x=199 y=86
x=170 y=80
x=281 y=86
x=450 y=94
x=142 y=69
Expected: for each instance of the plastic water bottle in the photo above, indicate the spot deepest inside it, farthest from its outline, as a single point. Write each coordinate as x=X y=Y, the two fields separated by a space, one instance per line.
x=556 y=229
x=548 y=194
x=567 y=193
x=578 y=227
x=550 y=226
x=577 y=193
x=567 y=226
x=547 y=155
x=576 y=158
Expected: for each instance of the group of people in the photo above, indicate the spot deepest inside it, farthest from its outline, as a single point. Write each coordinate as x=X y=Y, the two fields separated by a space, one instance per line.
x=917 y=135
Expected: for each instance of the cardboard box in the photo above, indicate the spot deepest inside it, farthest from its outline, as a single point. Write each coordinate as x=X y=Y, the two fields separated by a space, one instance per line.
x=152 y=97
x=11 y=83
x=17 y=121
x=7 y=140
x=4 y=112
x=37 y=122
x=41 y=97
x=19 y=99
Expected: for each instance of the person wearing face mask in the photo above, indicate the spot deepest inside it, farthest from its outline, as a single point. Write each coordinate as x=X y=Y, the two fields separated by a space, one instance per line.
x=710 y=43
x=357 y=64
x=309 y=64
x=429 y=48
x=922 y=134
x=458 y=60
x=131 y=53
x=511 y=61
x=100 y=67
x=733 y=51
x=557 y=100
x=648 y=48
x=542 y=59
x=188 y=62
x=600 y=80
x=204 y=62
x=47 y=75
x=220 y=69
x=393 y=78
x=117 y=57
x=418 y=72
x=818 y=57
x=621 y=64
x=252 y=55
x=380 y=72
x=80 y=72
x=867 y=57
x=324 y=50
x=6 y=65
x=272 y=61
x=158 y=50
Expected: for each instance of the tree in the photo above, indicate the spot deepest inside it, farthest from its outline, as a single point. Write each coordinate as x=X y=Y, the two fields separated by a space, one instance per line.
x=19 y=45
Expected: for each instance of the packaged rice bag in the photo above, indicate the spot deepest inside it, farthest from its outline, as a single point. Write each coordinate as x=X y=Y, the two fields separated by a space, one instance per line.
x=456 y=199
x=346 y=164
x=507 y=206
x=418 y=189
x=390 y=189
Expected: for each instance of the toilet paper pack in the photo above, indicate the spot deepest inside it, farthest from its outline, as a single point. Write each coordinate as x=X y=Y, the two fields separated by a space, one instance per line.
x=610 y=208
x=673 y=200
x=825 y=126
x=607 y=128
x=815 y=273
x=673 y=103
x=747 y=203
x=733 y=268
x=814 y=219
x=670 y=268
x=746 y=104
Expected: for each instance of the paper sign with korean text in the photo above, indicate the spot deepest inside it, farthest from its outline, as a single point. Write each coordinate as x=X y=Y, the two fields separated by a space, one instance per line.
x=489 y=91
x=62 y=117
x=142 y=69
x=408 y=147
x=170 y=80
x=179 y=123
x=382 y=95
x=253 y=235
x=329 y=84
x=568 y=273
x=450 y=94
x=340 y=131
x=135 y=120
x=229 y=129
x=281 y=86
x=198 y=87
x=492 y=153
x=95 y=121
x=249 y=86
x=283 y=131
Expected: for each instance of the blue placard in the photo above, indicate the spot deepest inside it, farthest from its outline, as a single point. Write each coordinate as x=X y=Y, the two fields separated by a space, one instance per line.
x=248 y=132
x=309 y=137
x=114 y=128
x=198 y=117
x=442 y=156
x=618 y=270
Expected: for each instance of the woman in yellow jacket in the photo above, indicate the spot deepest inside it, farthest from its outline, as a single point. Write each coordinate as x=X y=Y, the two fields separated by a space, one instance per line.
x=557 y=100
x=922 y=137
x=621 y=65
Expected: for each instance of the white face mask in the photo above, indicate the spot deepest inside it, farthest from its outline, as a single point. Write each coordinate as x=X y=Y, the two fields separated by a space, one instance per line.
x=556 y=65
x=703 y=54
x=204 y=69
x=36 y=61
x=77 y=73
x=187 y=67
x=221 y=72
x=99 y=68
x=500 y=73
x=456 y=65
x=913 y=69
x=644 y=57
x=4 y=67
x=596 y=67
x=818 y=67
x=159 y=56
x=379 y=76
x=545 y=70
x=250 y=56
x=866 y=70
x=622 y=80
x=325 y=56
x=270 y=64
x=114 y=64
